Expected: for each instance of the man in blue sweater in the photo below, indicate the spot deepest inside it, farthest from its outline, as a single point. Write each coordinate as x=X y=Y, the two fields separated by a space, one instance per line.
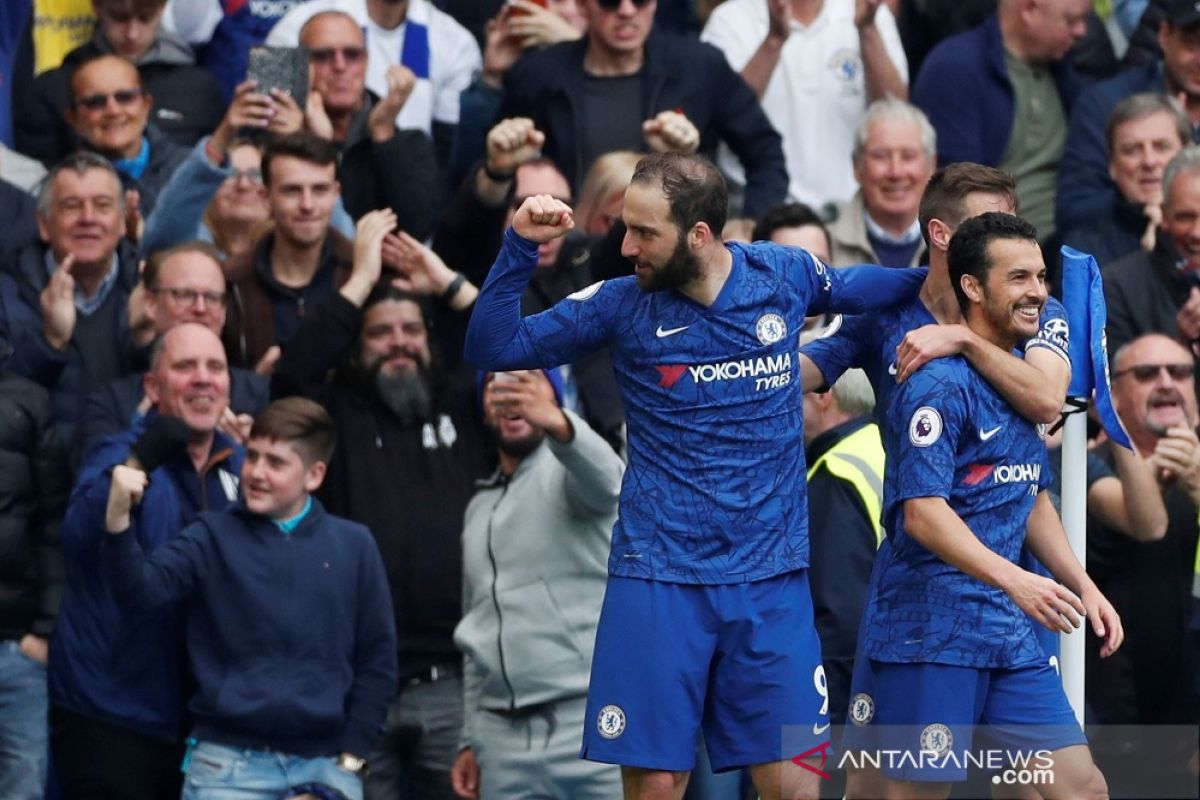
x=289 y=625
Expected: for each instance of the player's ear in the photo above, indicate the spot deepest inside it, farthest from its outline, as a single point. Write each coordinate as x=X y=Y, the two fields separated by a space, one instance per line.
x=699 y=235
x=971 y=288
x=939 y=234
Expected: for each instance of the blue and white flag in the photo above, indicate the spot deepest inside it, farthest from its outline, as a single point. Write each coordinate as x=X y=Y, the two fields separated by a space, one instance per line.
x=1083 y=297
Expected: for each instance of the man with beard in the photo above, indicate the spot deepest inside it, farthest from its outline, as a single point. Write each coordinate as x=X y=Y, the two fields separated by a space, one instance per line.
x=1150 y=681
x=712 y=536
x=535 y=542
x=412 y=445
x=947 y=641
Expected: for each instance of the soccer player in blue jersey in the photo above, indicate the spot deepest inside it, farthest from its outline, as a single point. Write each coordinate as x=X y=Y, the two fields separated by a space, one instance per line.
x=947 y=630
x=707 y=620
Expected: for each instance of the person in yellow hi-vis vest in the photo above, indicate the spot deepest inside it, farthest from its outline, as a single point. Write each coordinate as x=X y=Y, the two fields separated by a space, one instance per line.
x=845 y=496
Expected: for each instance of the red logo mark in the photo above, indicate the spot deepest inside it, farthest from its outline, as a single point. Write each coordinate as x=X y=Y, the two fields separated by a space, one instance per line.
x=978 y=473
x=823 y=749
x=671 y=374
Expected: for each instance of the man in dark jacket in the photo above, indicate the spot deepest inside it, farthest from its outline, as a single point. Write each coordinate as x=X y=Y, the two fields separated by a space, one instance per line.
x=412 y=446
x=1145 y=132
x=289 y=628
x=1085 y=189
x=33 y=494
x=116 y=677
x=608 y=91
x=297 y=266
x=64 y=298
x=110 y=112
x=380 y=165
x=1000 y=95
x=1159 y=291
x=187 y=103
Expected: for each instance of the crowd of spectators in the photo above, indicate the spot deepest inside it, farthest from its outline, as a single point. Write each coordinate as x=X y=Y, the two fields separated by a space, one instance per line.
x=181 y=240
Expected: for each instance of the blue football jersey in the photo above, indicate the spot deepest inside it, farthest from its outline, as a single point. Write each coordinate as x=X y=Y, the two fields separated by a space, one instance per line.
x=951 y=435
x=869 y=342
x=715 y=488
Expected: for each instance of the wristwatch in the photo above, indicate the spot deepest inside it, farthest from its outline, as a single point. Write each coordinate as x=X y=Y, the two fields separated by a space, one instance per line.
x=352 y=764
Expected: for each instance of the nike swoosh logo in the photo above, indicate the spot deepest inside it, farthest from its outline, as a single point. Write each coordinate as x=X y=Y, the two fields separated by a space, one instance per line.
x=819 y=729
x=985 y=435
x=664 y=333
x=892 y=368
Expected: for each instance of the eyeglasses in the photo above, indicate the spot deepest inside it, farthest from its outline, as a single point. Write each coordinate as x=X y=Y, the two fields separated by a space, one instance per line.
x=253 y=175
x=124 y=97
x=188 y=297
x=325 y=55
x=613 y=5
x=1144 y=373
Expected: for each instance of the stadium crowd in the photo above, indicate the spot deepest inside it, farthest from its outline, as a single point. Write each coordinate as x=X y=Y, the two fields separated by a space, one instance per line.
x=299 y=499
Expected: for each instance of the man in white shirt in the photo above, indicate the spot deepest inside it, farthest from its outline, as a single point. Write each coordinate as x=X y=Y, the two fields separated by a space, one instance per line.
x=815 y=65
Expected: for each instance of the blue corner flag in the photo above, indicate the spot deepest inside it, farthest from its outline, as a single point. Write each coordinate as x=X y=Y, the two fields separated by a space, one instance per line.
x=1083 y=297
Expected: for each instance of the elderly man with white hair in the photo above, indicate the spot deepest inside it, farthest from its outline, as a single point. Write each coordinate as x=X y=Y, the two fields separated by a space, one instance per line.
x=895 y=154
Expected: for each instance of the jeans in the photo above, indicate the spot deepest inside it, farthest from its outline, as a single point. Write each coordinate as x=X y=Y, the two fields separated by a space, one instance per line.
x=24 y=730
x=217 y=772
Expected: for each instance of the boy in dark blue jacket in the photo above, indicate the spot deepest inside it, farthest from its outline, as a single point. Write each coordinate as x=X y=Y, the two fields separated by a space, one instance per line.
x=288 y=618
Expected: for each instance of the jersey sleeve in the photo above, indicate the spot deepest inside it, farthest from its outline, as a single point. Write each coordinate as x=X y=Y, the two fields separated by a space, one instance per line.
x=856 y=290
x=498 y=338
x=1054 y=334
x=928 y=414
x=847 y=347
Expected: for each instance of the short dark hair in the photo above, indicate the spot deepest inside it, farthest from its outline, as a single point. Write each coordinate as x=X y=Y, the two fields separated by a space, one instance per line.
x=788 y=215
x=159 y=257
x=968 y=253
x=300 y=422
x=302 y=145
x=92 y=59
x=694 y=189
x=128 y=8
x=385 y=290
x=949 y=187
x=1146 y=104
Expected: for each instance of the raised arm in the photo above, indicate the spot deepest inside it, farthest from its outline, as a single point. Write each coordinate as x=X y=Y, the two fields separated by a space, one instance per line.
x=492 y=341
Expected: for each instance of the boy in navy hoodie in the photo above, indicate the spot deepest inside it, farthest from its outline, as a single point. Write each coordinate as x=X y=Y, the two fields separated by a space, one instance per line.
x=288 y=618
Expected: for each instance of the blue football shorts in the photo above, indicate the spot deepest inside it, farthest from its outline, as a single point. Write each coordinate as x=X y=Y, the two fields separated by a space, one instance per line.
x=917 y=722
x=737 y=661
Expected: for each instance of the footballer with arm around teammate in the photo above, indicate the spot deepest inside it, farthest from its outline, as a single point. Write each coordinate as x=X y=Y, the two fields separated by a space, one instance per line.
x=948 y=643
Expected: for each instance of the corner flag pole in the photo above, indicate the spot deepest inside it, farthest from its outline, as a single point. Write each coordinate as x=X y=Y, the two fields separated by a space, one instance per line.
x=1083 y=297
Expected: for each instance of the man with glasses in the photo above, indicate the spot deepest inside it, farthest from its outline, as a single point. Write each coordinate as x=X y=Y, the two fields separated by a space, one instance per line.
x=1149 y=682
x=442 y=55
x=187 y=102
x=182 y=284
x=380 y=166
x=623 y=87
x=64 y=297
x=110 y=112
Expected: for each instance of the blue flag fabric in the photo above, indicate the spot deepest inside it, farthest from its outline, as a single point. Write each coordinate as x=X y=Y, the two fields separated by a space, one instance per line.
x=1083 y=297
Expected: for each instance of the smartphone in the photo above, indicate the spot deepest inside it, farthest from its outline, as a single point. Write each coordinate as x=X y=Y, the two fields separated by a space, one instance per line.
x=283 y=68
x=520 y=12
